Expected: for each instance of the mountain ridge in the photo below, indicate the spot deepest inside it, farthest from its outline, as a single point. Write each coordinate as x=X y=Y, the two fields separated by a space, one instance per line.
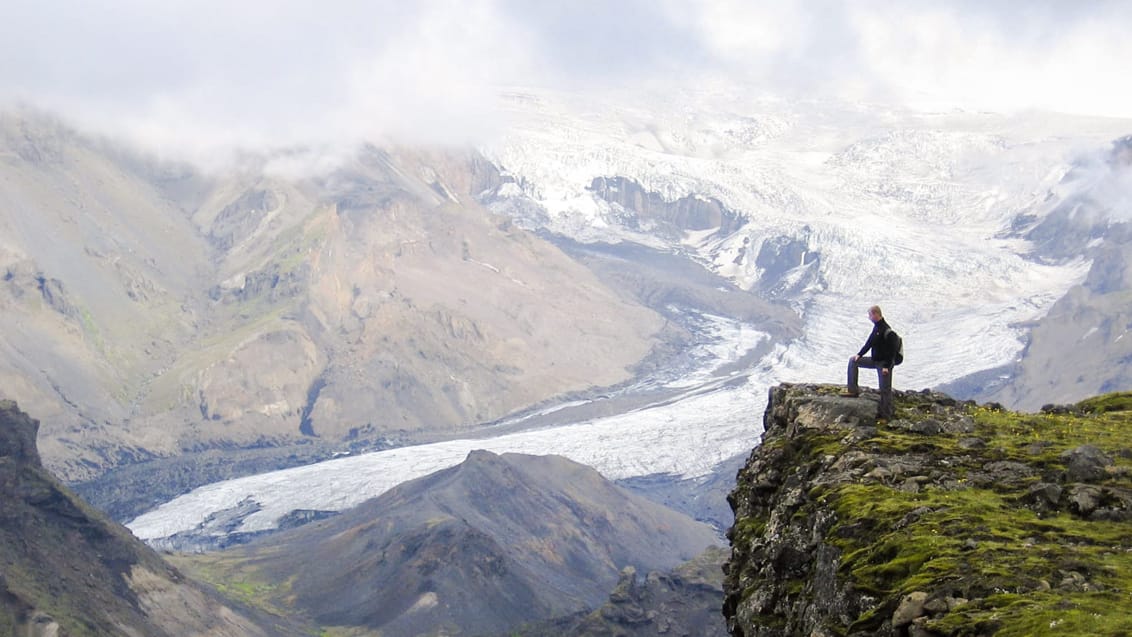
x=482 y=547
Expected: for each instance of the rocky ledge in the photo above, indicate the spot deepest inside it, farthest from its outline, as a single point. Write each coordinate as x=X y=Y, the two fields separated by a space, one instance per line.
x=17 y=434
x=951 y=519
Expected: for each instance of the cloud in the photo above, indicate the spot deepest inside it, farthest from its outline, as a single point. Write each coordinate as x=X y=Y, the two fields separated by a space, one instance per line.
x=1002 y=56
x=1047 y=57
x=206 y=75
x=201 y=76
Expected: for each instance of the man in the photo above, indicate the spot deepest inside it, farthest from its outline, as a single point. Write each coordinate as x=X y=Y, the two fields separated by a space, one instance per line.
x=882 y=343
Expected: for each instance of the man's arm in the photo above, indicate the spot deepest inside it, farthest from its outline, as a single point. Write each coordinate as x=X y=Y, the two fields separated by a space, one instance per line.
x=868 y=343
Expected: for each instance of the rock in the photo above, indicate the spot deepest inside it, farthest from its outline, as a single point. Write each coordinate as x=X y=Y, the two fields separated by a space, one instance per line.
x=927 y=427
x=964 y=425
x=972 y=443
x=17 y=434
x=1084 y=499
x=1009 y=473
x=77 y=572
x=917 y=628
x=955 y=602
x=1044 y=495
x=1072 y=581
x=911 y=606
x=1051 y=408
x=1085 y=464
x=937 y=606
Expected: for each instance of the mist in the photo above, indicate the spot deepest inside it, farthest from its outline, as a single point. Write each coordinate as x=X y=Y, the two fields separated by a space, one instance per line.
x=204 y=79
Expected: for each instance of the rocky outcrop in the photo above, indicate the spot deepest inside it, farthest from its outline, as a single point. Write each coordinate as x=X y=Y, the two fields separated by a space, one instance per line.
x=17 y=436
x=66 y=569
x=950 y=519
x=641 y=208
x=683 y=602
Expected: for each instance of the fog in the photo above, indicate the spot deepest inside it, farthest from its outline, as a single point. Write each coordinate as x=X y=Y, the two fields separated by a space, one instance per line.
x=198 y=79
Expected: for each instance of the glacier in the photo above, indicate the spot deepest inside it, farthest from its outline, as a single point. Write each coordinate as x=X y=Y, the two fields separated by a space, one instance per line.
x=907 y=209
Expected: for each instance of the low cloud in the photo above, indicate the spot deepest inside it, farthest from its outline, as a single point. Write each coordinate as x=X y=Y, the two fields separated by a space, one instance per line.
x=205 y=77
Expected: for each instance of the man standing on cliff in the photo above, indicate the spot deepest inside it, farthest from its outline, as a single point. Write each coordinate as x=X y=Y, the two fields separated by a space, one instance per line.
x=882 y=343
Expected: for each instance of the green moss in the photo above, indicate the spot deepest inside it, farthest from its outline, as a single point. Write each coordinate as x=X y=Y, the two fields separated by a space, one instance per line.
x=749 y=527
x=1031 y=573
x=975 y=537
x=1040 y=439
x=236 y=580
x=91 y=331
x=808 y=445
x=1047 y=613
x=1118 y=401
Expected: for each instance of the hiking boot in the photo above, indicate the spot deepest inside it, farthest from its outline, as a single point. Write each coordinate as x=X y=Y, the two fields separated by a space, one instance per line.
x=849 y=394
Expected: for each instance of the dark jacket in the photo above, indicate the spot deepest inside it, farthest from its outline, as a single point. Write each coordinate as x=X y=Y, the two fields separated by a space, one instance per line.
x=882 y=343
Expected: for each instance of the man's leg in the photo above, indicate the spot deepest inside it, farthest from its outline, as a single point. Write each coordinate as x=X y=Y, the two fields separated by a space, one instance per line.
x=885 y=409
x=852 y=388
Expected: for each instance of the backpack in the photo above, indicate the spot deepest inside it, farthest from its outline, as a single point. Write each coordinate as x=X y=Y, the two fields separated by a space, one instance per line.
x=897 y=346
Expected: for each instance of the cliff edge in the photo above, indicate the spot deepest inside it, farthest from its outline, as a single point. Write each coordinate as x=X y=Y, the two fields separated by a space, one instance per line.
x=951 y=519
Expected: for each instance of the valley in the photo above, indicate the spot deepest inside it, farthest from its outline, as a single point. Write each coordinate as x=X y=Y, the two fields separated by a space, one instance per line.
x=231 y=360
x=774 y=293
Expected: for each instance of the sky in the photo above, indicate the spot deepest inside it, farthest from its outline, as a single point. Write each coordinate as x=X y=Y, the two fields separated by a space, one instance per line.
x=208 y=75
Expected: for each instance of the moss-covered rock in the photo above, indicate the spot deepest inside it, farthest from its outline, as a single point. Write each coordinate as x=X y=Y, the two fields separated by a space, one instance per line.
x=951 y=519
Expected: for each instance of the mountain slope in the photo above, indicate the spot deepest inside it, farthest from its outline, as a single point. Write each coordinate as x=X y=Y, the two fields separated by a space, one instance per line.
x=684 y=602
x=151 y=309
x=1081 y=347
x=478 y=548
x=65 y=569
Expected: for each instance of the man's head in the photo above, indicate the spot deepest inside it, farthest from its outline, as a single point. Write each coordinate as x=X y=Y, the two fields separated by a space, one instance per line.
x=875 y=313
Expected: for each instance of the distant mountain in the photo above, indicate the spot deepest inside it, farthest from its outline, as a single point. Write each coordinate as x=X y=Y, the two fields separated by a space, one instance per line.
x=1083 y=346
x=479 y=548
x=66 y=569
x=150 y=309
x=965 y=227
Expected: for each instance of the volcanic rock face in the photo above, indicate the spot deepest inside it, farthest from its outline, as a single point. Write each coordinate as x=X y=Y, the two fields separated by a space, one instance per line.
x=67 y=570
x=950 y=519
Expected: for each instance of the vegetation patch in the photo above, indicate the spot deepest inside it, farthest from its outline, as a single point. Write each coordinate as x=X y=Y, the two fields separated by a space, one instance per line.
x=1031 y=573
x=979 y=511
x=236 y=580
